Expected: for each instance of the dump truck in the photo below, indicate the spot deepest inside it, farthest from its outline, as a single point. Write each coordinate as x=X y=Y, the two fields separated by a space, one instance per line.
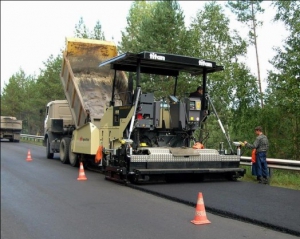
x=127 y=133
x=10 y=128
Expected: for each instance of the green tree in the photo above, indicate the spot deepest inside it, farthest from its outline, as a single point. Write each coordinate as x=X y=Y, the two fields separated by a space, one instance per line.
x=233 y=90
x=17 y=100
x=155 y=26
x=32 y=123
x=164 y=30
x=13 y=94
x=131 y=40
x=82 y=31
x=48 y=82
x=98 y=33
x=247 y=11
x=284 y=85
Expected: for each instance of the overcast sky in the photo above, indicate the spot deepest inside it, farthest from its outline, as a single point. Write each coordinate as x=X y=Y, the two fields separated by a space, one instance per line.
x=33 y=30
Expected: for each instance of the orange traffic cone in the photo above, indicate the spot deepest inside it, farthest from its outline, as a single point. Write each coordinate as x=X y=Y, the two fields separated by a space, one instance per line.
x=200 y=214
x=28 y=159
x=81 y=173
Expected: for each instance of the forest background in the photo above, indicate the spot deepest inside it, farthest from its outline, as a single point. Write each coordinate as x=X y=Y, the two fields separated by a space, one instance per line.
x=236 y=93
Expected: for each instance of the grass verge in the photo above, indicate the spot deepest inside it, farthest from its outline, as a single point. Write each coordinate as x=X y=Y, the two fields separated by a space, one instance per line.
x=279 y=178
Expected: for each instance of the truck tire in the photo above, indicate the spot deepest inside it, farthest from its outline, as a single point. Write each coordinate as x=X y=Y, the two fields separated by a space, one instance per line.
x=49 y=155
x=64 y=150
x=73 y=158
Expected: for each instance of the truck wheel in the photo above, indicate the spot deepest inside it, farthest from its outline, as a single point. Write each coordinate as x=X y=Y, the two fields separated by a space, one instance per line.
x=49 y=155
x=73 y=158
x=64 y=150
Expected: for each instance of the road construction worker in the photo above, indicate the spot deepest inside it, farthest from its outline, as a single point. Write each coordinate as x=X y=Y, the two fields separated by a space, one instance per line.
x=261 y=144
x=197 y=93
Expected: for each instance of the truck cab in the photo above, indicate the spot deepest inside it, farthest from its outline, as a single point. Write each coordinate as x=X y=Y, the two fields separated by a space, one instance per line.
x=58 y=109
x=58 y=121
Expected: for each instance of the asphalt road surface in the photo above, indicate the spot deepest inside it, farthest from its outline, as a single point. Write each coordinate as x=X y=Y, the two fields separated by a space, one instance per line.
x=271 y=207
x=43 y=199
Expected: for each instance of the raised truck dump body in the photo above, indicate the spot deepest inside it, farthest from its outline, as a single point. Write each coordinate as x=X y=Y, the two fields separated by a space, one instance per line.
x=88 y=87
x=88 y=92
x=10 y=128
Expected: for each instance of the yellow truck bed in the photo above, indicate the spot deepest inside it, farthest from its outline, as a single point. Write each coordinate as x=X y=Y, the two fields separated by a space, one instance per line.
x=87 y=86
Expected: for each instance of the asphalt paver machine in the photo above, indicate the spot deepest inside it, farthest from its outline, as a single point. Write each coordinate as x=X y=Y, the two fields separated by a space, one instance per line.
x=145 y=140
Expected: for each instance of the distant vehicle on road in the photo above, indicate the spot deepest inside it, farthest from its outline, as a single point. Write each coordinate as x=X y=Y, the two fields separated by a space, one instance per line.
x=10 y=128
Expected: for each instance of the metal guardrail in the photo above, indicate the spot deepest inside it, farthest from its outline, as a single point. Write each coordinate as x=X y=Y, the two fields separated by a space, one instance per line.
x=272 y=163
x=275 y=163
x=32 y=137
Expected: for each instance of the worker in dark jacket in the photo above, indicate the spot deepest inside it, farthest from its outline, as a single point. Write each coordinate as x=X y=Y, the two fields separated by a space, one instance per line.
x=261 y=144
x=197 y=93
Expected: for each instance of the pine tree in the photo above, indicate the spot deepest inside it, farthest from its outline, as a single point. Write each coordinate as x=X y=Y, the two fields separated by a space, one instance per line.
x=247 y=11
